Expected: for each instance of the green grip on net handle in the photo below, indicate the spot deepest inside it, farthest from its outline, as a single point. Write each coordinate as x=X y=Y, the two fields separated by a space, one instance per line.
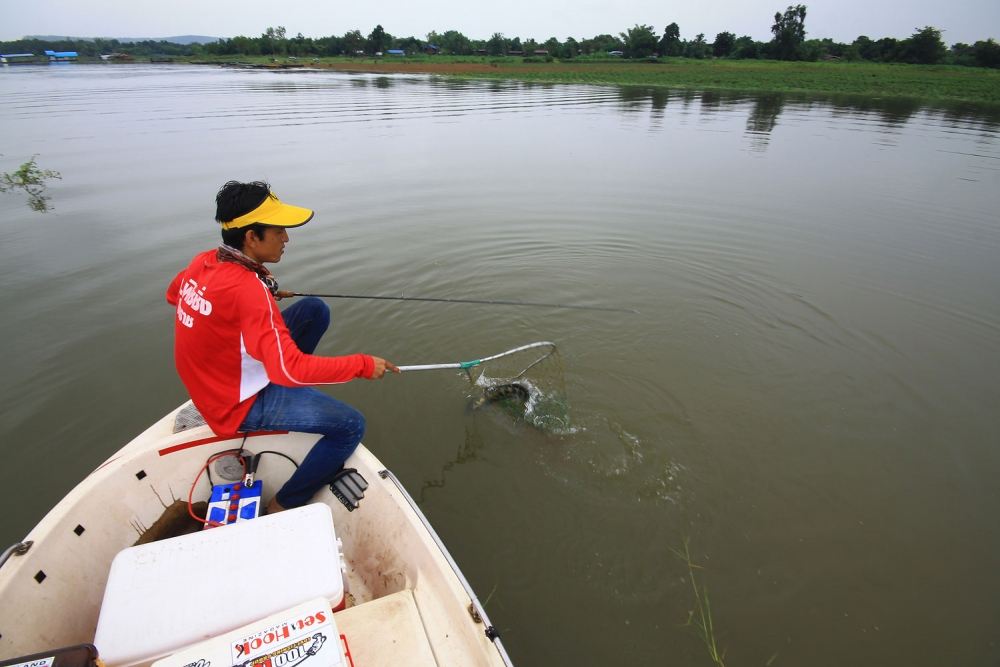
x=469 y=364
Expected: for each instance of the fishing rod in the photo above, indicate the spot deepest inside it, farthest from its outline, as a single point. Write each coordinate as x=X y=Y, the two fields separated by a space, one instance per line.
x=466 y=365
x=492 y=302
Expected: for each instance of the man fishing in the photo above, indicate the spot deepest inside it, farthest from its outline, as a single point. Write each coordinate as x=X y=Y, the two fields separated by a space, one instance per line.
x=247 y=365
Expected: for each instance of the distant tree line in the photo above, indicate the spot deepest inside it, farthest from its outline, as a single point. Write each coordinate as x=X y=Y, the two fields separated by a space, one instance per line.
x=788 y=42
x=95 y=47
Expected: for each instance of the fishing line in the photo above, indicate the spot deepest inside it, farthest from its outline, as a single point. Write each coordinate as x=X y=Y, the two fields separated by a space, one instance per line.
x=491 y=302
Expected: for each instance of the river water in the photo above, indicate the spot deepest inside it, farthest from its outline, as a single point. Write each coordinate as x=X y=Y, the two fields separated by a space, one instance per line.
x=807 y=397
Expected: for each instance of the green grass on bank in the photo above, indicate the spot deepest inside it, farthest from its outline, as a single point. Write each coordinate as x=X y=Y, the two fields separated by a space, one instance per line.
x=927 y=82
x=938 y=82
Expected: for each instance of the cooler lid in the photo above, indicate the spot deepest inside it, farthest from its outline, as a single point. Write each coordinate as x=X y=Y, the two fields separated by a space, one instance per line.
x=169 y=594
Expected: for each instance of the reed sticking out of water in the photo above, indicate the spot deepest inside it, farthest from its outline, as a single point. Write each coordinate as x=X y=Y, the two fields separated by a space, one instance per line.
x=700 y=618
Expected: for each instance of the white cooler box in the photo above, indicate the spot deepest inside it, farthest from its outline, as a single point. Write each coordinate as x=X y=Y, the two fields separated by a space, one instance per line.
x=167 y=595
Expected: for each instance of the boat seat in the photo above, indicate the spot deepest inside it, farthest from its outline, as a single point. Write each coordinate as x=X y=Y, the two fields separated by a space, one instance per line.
x=386 y=632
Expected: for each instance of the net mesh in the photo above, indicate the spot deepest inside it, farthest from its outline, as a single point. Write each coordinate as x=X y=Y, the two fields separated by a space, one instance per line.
x=528 y=384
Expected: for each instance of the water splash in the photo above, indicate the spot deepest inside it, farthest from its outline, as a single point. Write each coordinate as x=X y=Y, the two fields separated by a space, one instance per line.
x=545 y=409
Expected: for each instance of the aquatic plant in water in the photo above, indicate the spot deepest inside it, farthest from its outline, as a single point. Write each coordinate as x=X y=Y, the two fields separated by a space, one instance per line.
x=700 y=618
x=29 y=178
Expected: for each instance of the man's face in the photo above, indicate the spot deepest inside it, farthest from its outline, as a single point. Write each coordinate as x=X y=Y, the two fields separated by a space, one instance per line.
x=269 y=247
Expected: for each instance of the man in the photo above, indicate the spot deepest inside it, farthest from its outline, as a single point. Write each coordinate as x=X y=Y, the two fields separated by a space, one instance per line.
x=248 y=366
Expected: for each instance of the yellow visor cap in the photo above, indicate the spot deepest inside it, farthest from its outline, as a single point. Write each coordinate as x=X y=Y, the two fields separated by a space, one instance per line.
x=272 y=211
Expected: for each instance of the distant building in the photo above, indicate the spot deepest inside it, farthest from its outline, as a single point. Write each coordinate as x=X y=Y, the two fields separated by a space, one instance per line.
x=61 y=56
x=432 y=49
x=17 y=58
x=395 y=52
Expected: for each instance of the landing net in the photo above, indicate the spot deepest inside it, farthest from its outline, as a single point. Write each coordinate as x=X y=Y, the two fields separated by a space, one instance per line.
x=526 y=383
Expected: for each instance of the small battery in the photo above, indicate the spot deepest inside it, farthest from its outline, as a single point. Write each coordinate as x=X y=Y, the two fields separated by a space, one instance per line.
x=234 y=502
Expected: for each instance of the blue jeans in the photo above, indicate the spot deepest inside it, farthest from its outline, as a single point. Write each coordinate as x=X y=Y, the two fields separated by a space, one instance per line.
x=308 y=410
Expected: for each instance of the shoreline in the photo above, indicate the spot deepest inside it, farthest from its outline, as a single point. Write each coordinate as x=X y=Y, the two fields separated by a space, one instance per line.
x=934 y=83
x=947 y=85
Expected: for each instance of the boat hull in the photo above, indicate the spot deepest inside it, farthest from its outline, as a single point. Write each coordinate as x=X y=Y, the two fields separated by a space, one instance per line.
x=52 y=594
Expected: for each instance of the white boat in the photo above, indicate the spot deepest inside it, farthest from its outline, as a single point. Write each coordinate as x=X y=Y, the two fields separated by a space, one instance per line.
x=407 y=601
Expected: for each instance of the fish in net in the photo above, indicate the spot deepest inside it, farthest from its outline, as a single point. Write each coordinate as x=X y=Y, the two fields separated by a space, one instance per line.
x=525 y=382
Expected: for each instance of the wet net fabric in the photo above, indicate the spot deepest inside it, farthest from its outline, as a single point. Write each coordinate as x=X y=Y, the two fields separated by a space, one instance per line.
x=537 y=370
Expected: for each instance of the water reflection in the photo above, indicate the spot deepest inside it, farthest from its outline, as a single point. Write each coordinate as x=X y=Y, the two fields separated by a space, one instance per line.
x=765 y=109
x=659 y=99
x=449 y=83
x=892 y=113
x=713 y=100
x=634 y=99
x=763 y=119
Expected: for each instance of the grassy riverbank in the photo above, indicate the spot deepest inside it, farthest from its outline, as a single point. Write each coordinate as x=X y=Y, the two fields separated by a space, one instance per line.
x=930 y=82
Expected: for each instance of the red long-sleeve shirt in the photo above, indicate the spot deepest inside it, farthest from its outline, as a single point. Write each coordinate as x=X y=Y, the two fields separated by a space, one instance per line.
x=230 y=341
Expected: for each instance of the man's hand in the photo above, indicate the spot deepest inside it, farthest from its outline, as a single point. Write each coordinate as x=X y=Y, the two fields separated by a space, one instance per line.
x=381 y=366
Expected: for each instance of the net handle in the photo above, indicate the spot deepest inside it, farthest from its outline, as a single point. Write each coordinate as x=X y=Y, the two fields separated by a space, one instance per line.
x=465 y=365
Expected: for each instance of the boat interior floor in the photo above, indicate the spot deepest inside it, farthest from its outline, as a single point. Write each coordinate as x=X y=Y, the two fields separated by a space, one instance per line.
x=174 y=522
x=395 y=619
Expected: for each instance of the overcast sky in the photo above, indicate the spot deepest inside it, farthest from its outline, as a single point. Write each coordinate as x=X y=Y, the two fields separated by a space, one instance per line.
x=842 y=20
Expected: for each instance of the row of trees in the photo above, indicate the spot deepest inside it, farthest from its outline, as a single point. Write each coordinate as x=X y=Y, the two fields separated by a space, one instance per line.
x=789 y=42
x=92 y=48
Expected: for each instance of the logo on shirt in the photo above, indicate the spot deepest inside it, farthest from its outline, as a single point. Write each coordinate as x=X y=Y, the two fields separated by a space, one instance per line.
x=194 y=298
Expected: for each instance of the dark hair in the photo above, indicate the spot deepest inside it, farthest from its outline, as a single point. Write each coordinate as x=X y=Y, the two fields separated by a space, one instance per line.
x=235 y=199
x=234 y=238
